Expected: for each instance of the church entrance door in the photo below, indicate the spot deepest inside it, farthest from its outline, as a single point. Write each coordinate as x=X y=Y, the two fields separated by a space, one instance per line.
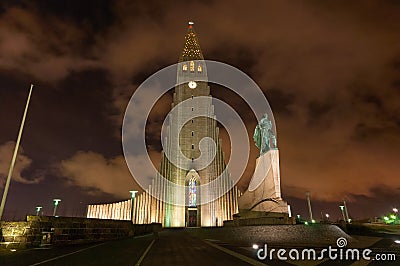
x=192 y=215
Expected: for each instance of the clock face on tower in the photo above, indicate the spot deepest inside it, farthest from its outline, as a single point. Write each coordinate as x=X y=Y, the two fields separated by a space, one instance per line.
x=192 y=84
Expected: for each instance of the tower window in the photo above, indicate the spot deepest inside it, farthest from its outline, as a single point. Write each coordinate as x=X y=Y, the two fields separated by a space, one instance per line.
x=191 y=66
x=192 y=121
x=199 y=69
x=184 y=67
x=192 y=146
x=192 y=109
x=192 y=133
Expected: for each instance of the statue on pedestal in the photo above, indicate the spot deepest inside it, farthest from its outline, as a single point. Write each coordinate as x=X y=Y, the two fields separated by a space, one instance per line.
x=264 y=137
x=262 y=203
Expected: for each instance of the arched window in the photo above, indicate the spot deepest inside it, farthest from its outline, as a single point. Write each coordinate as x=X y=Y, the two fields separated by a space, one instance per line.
x=192 y=191
x=191 y=66
x=184 y=67
x=199 y=69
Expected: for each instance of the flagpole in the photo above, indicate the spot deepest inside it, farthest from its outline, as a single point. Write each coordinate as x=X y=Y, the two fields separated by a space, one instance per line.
x=7 y=186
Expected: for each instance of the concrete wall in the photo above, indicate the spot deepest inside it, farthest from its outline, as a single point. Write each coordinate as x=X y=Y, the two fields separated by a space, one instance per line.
x=44 y=230
x=260 y=218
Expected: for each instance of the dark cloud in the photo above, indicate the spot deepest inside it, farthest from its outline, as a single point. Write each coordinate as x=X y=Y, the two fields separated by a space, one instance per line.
x=280 y=101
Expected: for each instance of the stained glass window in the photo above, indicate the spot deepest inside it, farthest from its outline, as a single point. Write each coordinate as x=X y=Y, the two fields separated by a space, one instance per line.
x=199 y=69
x=192 y=192
x=184 y=67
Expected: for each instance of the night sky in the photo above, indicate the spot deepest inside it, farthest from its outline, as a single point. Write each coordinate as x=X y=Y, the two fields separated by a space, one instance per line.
x=330 y=70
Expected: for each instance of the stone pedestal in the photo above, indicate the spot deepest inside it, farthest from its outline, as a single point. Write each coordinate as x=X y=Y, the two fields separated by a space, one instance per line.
x=263 y=196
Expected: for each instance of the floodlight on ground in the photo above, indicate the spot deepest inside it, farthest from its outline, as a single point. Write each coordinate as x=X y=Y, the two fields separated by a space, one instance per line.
x=395 y=210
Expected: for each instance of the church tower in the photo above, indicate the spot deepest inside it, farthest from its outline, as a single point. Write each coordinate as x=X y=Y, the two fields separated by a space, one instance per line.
x=191 y=187
x=192 y=87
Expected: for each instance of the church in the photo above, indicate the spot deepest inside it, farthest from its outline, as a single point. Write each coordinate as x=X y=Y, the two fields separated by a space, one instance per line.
x=148 y=209
x=192 y=87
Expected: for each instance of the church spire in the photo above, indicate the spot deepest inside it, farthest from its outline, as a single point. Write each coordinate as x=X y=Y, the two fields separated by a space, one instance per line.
x=191 y=49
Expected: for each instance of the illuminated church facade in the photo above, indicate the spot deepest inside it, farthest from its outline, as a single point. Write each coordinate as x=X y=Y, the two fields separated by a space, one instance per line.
x=146 y=208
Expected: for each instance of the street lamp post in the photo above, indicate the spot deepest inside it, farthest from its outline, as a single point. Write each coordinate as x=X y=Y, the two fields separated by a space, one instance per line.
x=342 y=209
x=133 y=194
x=38 y=208
x=309 y=207
x=56 y=202
x=13 y=160
x=346 y=211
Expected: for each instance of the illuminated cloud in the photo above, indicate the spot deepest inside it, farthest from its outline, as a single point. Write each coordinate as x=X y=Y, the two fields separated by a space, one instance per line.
x=96 y=173
x=22 y=163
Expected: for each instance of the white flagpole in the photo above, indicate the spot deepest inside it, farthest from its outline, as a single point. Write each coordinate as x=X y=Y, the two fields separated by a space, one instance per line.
x=6 y=187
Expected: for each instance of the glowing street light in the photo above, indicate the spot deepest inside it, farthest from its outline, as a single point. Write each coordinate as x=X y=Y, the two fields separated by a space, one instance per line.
x=38 y=208
x=56 y=202
x=395 y=210
x=133 y=194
